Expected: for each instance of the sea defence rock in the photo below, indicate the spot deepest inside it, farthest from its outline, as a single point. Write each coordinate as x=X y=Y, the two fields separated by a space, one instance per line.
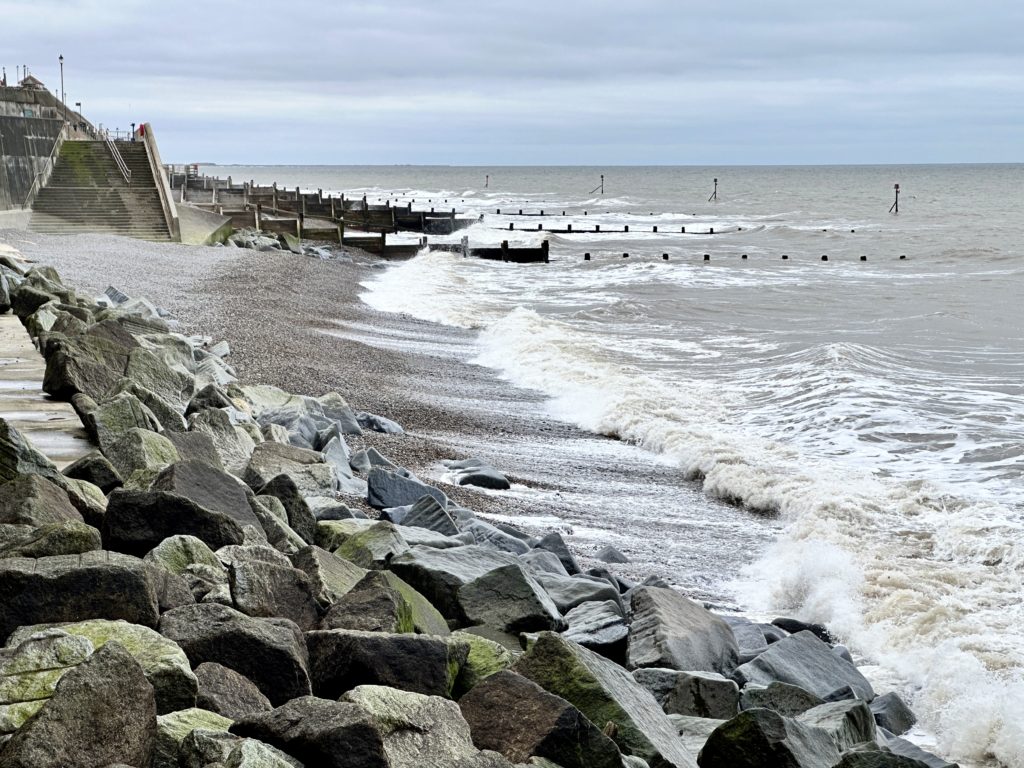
x=788 y=700
x=269 y=652
x=319 y=732
x=892 y=713
x=34 y=500
x=479 y=473
x=267 y=589
x=224 y=691
x=390 y=489
x=172 y=728
x=694 y=694
x=606 y=694
x=163 y=662
x=87 y=722
x=372 y=605
x=106 y=585
x=485 y=658
x=510 y=714
x=509 y=599
x=567 y=592
x=439 y=574
x=442 y=736
x=599 y=626
x=671 y=631
x=342 y=659
x=759 y=738
x=805 y=661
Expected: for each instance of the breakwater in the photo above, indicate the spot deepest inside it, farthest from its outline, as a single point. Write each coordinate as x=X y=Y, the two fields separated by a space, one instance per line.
x=177 y=429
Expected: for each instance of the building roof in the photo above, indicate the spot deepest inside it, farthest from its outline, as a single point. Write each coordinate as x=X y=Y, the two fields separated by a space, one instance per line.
x=32 y=82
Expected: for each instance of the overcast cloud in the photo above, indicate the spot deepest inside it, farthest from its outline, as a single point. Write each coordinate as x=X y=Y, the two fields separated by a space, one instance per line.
x=556 y=82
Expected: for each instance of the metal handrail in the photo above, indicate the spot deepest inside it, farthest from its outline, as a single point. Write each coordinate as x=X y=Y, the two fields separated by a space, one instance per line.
x=38 y=181
x=121 y=165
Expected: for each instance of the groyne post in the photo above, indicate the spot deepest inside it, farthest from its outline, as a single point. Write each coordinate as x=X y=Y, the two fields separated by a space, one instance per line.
x=895 y=207
x=545 y=247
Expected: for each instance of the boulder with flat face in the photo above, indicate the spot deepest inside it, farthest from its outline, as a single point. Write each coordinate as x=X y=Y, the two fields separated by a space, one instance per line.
x=372 y=605
x=102 y=712
x=807 y=662
x=105 y=585
x=606 y=694
x=173 y=727
x=269 y=652
x=271 y=589
x=95 y=468
x=319 y=732
x=300 y=517
x=507 y=598
x=512 y=715
x=163 y=662
x=694 y=694
x=599 y=626
x=308 y=469
x=439 y=573
x=209 y=488
x=138 y=521
x=67 y=538
x=140 y=450
x=669 y=630
x=224 y=691
x=342 y=659
x=332 y=576
x=34 y=500
x=788 y=700
x=391 y=489
x=758 y=738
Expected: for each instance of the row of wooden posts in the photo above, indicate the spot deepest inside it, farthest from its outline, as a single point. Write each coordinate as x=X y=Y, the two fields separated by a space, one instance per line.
x=743 y=257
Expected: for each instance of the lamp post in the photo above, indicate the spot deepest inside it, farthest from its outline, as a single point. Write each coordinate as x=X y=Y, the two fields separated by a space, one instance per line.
x=62 y=101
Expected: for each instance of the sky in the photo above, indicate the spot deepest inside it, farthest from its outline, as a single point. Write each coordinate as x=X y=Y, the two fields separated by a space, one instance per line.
x=562 y=82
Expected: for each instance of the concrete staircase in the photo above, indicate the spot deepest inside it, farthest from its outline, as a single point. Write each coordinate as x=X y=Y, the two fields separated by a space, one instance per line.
x=87 y=193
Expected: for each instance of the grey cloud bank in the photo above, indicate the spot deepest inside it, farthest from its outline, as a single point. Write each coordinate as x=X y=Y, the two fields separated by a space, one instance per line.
x=572 y=82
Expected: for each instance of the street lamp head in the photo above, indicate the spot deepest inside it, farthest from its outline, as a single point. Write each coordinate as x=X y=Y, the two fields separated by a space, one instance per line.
x=61 y=58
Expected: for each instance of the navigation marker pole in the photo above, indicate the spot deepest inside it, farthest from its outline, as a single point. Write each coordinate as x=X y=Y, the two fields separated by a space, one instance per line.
x=895 y=207
x=599 y=187
x=487 y=181
x=714 y=195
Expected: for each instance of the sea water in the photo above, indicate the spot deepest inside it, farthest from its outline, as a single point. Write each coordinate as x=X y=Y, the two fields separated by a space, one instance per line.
x=872 y=408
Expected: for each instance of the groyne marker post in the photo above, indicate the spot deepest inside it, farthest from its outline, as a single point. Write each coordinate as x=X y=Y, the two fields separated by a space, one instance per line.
x=895 y=207
x=714 y=195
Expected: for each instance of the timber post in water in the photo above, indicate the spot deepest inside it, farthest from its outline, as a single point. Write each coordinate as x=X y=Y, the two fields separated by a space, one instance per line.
x=714 y=195
x=895 y=207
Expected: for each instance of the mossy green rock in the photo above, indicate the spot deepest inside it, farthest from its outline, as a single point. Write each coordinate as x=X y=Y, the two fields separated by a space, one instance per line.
x=373 y=547
x=115 y=416
x=172 y=728
x=139 y=449
x=426 y=619
x=331 y=534
x=29 y=675
x=67 y=538
x=164 y=663
x=176 y=553
x=147 y=370
x=605 y=693
x=485 y=658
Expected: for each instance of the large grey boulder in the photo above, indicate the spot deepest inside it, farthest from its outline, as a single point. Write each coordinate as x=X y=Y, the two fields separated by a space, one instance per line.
x=417 y=730
x=507 y=598
x=760 y=738
x=102 y=712
x=67 y=538
x=848 y=722
x=372 y=605
x=30 y=669
x=512 y=715
x=319 y=732
x=892 y=713
x=694 y=732
x=338 y=410
x=428 y=513
x=137 y=521
x=233 y=444
x=694 y=694
x=163 y=662
x=172 y=729
x=311 y=474
x=669 y=630
x=140 y=450
x=806 y=662
x=599 y=626
x=879 y=759
x=788 y=700
x=19 y=457
x=300 y=516
x=390 y=489
x=907 y=749
x=367 y=543
x=570 y=591
x=105 y=585
x=271 y=589
x=332 y=576
x=148 y=369
x=555 y=544
x=439 y=573
x=479 y=473
x=606 y=694
x=750 y=638
x=226 y=692
x=34 y=500
x=95 y=468
x=87 y=363
x=209 y=488
x=493 y=537
x=377 y=423
x=342 y=659
x=269 y=652
x=115 y=415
